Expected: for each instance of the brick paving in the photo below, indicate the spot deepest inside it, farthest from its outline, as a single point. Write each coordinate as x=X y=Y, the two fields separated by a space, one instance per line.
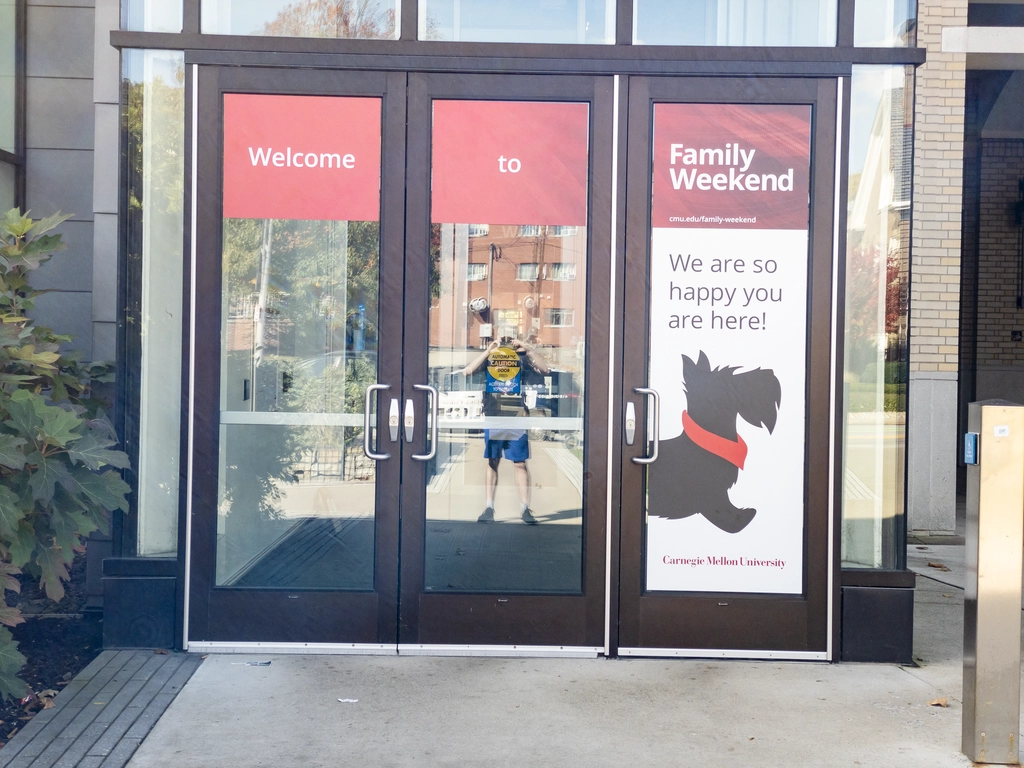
x=103 y=714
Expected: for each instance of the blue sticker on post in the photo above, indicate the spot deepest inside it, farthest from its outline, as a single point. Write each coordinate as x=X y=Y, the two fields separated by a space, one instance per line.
x=971 y=448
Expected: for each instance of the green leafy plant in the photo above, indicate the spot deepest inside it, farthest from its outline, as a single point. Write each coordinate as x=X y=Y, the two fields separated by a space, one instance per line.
x=58 y=466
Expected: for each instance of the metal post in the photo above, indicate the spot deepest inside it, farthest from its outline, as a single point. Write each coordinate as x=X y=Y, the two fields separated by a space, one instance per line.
x=992 y=596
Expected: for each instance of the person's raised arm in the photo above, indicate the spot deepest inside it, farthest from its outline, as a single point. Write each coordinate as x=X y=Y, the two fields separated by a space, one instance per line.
x=474 y=365
x=536 y=361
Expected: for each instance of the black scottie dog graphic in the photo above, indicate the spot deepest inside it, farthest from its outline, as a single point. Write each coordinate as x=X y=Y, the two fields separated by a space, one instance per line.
x=696 y=470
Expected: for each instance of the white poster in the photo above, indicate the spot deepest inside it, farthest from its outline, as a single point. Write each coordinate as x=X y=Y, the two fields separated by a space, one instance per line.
x=728 y=347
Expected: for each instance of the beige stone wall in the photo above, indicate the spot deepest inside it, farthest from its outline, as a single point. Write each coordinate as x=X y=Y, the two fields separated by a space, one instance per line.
x=935 y=273
x=938 y=183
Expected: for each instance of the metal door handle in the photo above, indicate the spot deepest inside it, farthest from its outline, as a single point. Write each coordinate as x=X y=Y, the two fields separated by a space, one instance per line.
x=433 y=422
x=367 y=406
x=655 y=432
x=630 y=423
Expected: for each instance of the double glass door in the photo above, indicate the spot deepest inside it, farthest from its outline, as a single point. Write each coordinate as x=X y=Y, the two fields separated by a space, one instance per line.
x=392 y=402
x=432 y=412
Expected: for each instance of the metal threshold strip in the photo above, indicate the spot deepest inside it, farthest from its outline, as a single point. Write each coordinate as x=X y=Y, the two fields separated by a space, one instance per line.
x=505 y=651
x=724 y=653
x=305 y=649
x=387 y=649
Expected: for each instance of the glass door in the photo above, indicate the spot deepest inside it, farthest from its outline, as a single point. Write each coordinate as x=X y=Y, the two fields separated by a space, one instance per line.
x=728 y=363
x=297 y=362
x=504 y=522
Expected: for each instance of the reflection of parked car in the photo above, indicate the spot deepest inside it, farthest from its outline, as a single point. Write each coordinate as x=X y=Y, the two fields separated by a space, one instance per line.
x=461 y=406
x=557 y=396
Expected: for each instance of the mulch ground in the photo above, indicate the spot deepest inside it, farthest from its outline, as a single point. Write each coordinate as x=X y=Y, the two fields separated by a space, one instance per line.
x=59 y=640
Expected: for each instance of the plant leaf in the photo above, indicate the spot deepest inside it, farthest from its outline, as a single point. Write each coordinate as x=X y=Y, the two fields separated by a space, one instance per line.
x=93 y=452
x=10 y=616
x=69 y=526
x=107 y=490
x=49 y=472
x=22 y=412
x=10 y=453
x=11 y=662
x=48 y=223
x=58 y=424
x=54 y=572
x=7 y=574
x=11 y=512
x=23 y=544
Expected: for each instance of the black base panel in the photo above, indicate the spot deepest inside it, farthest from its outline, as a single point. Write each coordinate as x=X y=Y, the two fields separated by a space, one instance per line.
x=138 y=611
x=878 y=624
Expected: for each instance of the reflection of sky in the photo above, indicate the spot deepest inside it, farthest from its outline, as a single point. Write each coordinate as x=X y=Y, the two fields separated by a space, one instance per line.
x=735 y=22
x=881 y=22
x=150 y=65
x=523 y=21
x=867 y=86
x=247 y=17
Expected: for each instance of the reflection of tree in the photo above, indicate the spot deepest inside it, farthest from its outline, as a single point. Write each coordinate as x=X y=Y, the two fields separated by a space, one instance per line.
x=166 y=146
x=363 y=19
x=306 y=285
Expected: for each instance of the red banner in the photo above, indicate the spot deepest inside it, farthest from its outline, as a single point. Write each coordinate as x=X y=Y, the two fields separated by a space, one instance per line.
x=510 y=162
x=738 y=166
x=313 y=158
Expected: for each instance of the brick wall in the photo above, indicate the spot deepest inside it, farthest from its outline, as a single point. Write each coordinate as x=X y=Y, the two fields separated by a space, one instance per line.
x=938 y=172
x=935 y=273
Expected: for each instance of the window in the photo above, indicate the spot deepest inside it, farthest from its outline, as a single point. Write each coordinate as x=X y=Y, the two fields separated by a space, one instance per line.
x=560 y=231
x=155 y=156
x=559 y=318
x=12 y=114
x=885 y=23
x=528 y=272
x=479 y=230
x=152 y=15
x=876 y=356
x=354 y=19
x=476 y=272
x=518 y=21
x=735 y=22
x=562 y=271
x=529 y=230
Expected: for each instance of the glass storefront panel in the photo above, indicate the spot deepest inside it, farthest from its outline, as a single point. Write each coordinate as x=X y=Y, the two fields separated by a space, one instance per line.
x=151 y=15
x=155 y=117
x=885 y=23
x=507 y=353
x=7 y=74
x=359 y=19
x=526 y=21
x=7 y=196
x=877 y=279
x=735 y=22
x=296 y=500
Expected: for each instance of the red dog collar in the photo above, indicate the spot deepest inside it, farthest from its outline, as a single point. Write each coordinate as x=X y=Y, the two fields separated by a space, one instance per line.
x=733 y=451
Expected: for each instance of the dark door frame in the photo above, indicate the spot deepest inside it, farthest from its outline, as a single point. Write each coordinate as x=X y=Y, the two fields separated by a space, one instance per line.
x=774 y=625
x=365 y=619
x=501 y=621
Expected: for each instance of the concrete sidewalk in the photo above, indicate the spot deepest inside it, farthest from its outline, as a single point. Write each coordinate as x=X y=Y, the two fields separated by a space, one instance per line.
x=546 y=712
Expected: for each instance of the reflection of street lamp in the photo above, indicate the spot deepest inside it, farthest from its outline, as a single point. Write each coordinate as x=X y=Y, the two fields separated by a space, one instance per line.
x=490 y=274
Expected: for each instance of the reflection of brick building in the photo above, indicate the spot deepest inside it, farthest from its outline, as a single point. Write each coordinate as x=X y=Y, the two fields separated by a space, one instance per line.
x=532 y=278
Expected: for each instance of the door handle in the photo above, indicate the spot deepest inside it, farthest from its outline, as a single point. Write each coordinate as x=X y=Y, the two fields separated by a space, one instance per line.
x=367 y=406
x=410 y=419
x=433 y=422
x=655 y=432
x=630 y=423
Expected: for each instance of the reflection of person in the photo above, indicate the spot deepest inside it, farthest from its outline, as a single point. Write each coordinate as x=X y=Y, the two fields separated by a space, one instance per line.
x=513 y=443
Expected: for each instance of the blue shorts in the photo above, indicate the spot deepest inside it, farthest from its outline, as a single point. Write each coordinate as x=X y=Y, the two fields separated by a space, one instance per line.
x=514 y=450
